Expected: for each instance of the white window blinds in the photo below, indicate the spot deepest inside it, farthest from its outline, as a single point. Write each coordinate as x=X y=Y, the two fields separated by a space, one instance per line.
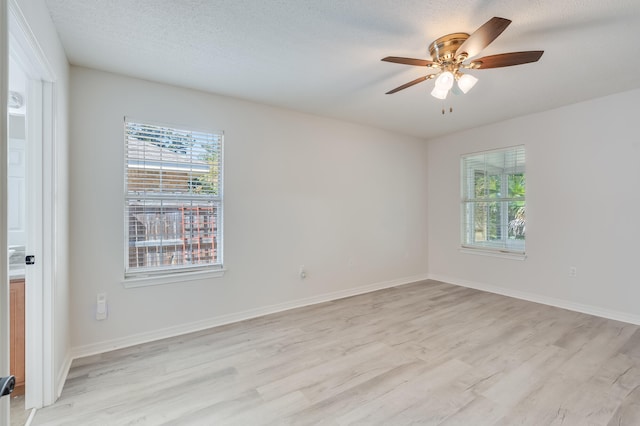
x=493 y=200
x=173 y=199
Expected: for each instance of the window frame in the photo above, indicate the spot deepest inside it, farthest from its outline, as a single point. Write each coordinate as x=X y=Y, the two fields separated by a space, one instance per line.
x=164 y=274
x=505 y=246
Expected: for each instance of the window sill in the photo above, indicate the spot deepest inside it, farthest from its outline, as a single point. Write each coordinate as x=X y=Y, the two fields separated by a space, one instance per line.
x=494 y=253
x=170 y=278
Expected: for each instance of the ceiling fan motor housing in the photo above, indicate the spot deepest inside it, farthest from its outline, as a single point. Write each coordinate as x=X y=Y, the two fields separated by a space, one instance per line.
x=444 y=49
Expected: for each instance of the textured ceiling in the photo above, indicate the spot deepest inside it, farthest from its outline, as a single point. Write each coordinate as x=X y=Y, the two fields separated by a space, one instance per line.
x=323 y=56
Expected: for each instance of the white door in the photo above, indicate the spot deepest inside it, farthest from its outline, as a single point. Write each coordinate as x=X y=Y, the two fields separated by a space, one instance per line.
x=4 y=273
x=22 y=224
x=24 y=207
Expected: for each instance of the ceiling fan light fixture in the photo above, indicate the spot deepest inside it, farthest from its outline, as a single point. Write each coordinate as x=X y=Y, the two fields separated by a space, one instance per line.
x=449 y=54
x=439 y=93
x=445 y=81
x=466 y=82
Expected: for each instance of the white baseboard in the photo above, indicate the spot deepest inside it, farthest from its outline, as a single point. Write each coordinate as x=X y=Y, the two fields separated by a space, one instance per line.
x=62 y=375
x=106 y=346
x=545 y=300
x=32 y=414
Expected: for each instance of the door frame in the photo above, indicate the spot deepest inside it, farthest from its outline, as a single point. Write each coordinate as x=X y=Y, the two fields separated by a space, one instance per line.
x=4 y=258
x=39 y=327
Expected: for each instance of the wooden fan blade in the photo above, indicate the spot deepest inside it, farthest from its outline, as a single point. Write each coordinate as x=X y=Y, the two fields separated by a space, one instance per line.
x=482 y=37
x=506 y=59
x=411 y=83
x=409 y=61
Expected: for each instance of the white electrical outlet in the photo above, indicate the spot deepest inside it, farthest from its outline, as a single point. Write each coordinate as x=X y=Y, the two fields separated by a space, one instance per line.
x=573 y=271
x=302 y=272
x=101 y=306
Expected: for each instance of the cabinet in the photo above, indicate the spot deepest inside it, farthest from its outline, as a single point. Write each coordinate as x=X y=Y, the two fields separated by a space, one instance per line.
x=17 y=334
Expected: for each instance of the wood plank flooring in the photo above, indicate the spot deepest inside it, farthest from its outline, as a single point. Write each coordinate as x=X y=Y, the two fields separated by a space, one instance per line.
x=19 y=415
x=427 y=353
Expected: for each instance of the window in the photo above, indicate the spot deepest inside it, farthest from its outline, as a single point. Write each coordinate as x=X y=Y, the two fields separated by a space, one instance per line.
x=493 y=200
x=173 y=199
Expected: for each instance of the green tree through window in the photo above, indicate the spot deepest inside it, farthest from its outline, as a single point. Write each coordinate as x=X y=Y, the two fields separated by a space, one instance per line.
x=493 y=200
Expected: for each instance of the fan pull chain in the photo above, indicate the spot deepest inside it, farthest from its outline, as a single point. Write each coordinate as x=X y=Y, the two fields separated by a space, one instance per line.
x=450 y=110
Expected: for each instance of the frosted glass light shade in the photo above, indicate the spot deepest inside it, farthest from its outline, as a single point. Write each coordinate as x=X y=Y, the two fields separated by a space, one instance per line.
x=466 y=82
x=445 y=81
x=439 y=93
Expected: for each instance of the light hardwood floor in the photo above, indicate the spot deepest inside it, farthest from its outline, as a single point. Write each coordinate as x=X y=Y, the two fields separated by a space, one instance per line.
x=421 y=354
x=19 y=415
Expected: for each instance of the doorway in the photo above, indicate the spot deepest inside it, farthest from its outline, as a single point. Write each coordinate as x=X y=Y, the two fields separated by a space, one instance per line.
x=17 y=182
x=29 y=231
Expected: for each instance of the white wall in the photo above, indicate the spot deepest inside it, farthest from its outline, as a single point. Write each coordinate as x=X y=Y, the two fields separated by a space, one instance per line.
x=582 y=207
x=16 y=205
x=37 y=16
x=299 y=190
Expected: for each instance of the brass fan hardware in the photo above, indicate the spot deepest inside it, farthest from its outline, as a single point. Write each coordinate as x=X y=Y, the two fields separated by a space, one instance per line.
x=449 y=53
x=444 y=48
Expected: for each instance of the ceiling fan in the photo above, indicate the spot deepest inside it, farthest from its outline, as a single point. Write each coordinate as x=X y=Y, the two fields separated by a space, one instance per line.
x=449 y=53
